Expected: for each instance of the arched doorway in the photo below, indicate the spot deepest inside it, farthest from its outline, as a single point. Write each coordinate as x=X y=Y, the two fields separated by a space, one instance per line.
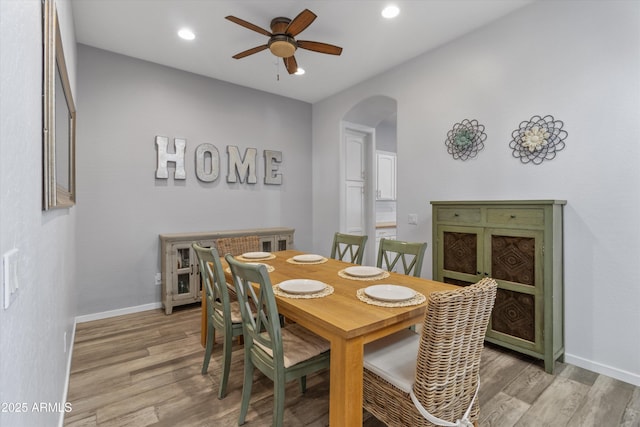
x=369 y=147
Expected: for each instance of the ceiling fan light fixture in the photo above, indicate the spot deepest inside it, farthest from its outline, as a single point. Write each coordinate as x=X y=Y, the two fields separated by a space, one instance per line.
x=299 y=71
x=282 y=42
x=390 y=11
x=282 y=46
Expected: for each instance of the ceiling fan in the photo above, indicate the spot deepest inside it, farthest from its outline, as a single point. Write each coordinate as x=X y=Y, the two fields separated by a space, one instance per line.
x=282 y=42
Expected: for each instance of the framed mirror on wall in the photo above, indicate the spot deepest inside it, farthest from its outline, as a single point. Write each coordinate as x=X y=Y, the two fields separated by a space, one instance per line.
x=59 y=118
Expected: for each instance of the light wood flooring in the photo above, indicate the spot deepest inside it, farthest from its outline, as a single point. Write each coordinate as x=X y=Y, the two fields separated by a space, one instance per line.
x=143 y=369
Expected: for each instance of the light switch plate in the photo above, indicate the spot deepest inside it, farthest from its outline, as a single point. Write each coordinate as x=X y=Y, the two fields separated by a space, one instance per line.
x=10 y=276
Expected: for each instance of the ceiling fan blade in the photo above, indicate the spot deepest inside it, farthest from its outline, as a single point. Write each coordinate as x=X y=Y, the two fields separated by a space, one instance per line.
x=300 y=22
x=291 y=64
x=319 y=47
x=250 y=51
x=248 y=25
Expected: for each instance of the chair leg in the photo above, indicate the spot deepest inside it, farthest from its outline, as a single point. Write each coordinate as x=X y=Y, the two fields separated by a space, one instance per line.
x=302 y=381
x=278 y=401
x=246 y=389
x=226 y=363
x=211 y=337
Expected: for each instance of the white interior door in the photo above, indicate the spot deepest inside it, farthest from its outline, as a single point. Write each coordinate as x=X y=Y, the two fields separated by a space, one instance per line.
x=355 y=182
x=355 y=223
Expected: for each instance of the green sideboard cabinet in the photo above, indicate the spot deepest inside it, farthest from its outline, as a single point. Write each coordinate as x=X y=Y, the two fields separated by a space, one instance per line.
x=519 y=244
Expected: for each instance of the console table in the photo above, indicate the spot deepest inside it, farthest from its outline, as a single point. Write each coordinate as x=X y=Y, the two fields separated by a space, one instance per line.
x=180 y=270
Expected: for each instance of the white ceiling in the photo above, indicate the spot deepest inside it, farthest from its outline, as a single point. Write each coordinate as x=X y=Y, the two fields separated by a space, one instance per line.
x=147 y=29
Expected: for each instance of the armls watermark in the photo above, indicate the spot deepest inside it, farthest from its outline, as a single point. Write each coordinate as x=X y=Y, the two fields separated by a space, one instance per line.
x=18 y=407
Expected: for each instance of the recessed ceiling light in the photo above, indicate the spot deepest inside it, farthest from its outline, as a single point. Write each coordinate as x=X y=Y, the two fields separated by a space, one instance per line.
x=186 y=34
x=299 y=71
x=390 y=11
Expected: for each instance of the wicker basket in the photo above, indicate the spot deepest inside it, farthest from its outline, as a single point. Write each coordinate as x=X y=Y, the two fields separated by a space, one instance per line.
x=448 y=361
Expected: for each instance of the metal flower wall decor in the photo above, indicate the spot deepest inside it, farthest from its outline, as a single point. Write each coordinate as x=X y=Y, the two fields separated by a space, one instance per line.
x=466 y=139
x=538 y=139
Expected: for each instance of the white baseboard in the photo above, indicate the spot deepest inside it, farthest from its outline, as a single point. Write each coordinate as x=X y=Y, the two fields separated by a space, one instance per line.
x=65 y=392
x=118 y=312
x=619 y=374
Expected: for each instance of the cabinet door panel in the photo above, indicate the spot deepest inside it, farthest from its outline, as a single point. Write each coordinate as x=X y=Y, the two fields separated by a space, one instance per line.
x=513 y=259
x=184 y=284
x=460 y=256
x=283 y=243
x=386 y=177
x=514 y=314
x=267 y=243
x=460 y=252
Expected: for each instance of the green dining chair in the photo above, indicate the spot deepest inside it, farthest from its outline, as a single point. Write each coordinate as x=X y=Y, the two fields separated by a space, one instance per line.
x=350 y=244
x=281 y=353
x=391 y=251
x=223 y=314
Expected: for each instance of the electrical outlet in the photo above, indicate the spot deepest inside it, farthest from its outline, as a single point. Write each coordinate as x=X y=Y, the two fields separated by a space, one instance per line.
x=413 y=219
x=158 y=278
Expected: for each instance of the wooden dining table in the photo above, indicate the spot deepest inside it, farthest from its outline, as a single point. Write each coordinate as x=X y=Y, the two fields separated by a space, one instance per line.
x=345 y=321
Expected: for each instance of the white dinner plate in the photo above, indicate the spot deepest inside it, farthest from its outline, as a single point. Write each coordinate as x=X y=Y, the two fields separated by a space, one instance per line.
x=256 y=255
x=308 y=258
x=302 y=286
x=392 y=293
x=363 y=271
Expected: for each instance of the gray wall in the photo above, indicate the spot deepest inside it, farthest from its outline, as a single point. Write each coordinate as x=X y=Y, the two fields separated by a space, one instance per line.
x=577 y=61
x=122 y=207
x=34 y=356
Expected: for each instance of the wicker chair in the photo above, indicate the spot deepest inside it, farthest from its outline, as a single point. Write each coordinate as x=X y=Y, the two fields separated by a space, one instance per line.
x=238 y=245
x=281 y=353
x=445 y=378
x=411 y=255
x=352 y=245
x=222 y=313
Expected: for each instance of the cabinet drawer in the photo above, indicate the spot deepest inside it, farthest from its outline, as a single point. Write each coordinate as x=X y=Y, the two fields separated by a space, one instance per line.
x=464 y=215
x=507 y=216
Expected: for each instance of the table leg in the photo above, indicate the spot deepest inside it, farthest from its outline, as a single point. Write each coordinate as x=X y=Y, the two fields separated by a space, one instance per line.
x=345 y=388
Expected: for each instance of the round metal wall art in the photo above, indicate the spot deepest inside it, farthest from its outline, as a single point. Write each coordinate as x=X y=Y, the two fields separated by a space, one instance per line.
x=538 y=139
x=466 y=139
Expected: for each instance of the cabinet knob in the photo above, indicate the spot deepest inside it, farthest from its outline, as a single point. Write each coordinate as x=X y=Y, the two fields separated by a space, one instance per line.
x=513 y=216
x=456 y=214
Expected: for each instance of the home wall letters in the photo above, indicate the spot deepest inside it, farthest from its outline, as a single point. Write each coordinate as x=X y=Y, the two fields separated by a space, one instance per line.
x=240 y=168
